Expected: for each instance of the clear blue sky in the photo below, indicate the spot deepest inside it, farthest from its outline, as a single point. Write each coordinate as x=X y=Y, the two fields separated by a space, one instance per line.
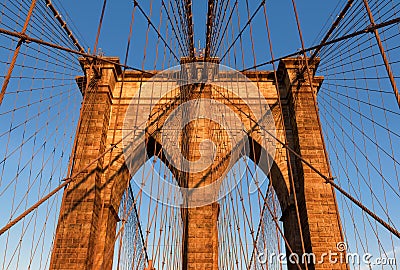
x=85 y=15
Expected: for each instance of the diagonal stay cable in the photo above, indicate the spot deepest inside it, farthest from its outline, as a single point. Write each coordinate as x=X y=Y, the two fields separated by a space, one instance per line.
x=368 y=29
x=64 y=25
x=383 y=54
x=327 y=179
x=180 y=22
x=53 y=192
x=330 y=31
x=56 y=46
x=179 y=9
x=215 y=51
x=173 y=27
x=16 y=51
x=136 y=3
x=137 y=218
x=68 y=180
x=243 y=29
x=219 y=23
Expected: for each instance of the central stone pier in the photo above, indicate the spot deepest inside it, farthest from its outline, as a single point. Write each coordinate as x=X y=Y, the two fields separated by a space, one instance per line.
x=200 y=138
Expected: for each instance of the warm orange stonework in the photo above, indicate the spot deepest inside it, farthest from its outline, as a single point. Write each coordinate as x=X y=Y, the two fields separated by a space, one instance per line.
x=87 y=224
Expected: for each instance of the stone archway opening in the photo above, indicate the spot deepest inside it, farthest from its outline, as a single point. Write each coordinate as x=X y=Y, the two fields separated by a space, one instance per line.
x=89 y=214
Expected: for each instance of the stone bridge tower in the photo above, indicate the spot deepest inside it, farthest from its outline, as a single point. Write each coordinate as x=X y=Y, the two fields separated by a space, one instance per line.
x=87 y=224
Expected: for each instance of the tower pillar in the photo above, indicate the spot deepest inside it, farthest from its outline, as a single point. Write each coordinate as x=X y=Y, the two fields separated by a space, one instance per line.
x=317 y=206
